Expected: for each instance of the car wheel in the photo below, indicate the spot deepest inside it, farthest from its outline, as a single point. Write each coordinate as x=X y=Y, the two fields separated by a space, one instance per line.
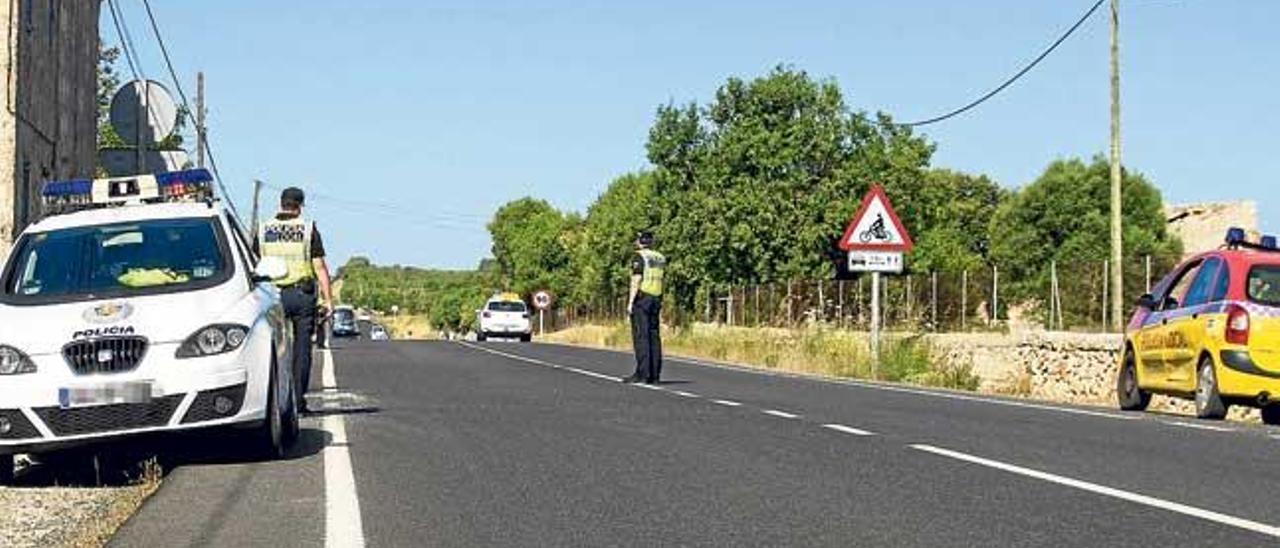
x=6 y=470
x=481 y=337
x=1209 y=404
x=1132 y=397
x=271 y=435
x=526 y=338
x=1270 y=415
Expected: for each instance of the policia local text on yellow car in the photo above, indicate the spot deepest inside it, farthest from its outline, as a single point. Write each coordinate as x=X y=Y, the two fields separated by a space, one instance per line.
x=647 y=272
x=293 y=238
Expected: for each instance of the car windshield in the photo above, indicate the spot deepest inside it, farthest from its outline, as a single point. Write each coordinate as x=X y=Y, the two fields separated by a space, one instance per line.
x=506 y=306
x=343 y=315
x=1264 y=284
x=117 y=260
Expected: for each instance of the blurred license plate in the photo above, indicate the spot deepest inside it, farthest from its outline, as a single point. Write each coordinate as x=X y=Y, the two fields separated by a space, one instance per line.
x=105 y=394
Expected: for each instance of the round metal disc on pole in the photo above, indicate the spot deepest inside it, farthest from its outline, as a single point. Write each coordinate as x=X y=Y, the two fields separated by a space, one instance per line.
x=146 y=103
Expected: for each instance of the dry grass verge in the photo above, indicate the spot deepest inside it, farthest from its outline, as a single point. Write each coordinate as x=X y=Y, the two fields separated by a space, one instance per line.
x=408 y=327
x=815 y=351
x=72 y=517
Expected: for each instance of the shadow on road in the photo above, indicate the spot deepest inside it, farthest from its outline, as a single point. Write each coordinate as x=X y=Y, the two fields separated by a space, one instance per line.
x=126 y=463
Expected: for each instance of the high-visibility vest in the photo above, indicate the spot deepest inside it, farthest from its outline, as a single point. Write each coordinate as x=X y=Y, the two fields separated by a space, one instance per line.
x=289 y=239
x=654 y=268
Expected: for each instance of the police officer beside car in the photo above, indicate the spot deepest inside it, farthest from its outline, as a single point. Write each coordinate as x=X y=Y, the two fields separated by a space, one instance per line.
x=647 y=272
x=293 y=238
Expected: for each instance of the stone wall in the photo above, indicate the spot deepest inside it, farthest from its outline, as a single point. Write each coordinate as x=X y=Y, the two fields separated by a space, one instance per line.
x=48 y=126
x=1076 y=368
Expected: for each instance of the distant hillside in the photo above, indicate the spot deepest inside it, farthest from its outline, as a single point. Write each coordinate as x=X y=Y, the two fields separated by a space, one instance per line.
x=448 y=298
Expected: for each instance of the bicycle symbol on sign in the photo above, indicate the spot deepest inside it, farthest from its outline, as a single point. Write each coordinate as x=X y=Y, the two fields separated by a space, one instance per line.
x=876 y=231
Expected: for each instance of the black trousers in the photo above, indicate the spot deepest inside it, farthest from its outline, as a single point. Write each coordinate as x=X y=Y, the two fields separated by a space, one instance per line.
x=646 y=313
x=300 y=309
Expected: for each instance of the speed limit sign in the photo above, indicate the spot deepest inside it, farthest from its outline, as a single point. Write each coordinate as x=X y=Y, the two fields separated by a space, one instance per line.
x=542 y=300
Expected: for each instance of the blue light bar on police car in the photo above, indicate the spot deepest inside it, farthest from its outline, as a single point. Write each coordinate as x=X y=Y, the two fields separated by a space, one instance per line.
x=168 y=186
x=1268 y=242
x=1235 y=236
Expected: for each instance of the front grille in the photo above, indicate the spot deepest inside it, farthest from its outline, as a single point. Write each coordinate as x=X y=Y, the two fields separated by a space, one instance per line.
x=115 y=355
x=204 y=407
x=19 y=427
x=109 y=418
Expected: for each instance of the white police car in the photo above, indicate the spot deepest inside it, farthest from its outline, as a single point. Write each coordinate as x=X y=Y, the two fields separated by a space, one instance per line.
x=136 y=307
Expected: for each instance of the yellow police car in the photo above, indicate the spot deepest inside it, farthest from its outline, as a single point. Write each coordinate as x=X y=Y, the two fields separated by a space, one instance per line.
x=1209 y=331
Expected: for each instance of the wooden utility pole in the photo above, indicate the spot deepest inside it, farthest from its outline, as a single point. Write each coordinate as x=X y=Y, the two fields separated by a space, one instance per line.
x=200 y=135
x=1117 y=271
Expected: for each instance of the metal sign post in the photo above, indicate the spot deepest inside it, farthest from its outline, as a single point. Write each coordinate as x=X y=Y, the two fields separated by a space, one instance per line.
x=542 y=301
x=876 y=241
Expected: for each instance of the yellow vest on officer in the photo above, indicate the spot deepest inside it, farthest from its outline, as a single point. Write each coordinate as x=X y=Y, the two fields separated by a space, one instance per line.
x=654 y=269
x=289 y=239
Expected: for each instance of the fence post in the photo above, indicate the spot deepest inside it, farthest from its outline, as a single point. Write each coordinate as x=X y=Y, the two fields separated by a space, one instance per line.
x=964 y=299
x=860 y=315
x=933 y=300
x=840 y=305
x=822 y=302
x=791 y=315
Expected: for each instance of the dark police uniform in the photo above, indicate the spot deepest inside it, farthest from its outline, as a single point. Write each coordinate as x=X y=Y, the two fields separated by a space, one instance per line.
x=296 y=240
x=646 y=313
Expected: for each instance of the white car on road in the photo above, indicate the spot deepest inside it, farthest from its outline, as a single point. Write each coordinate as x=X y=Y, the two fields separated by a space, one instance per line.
x=504 y=315
x=139 y=308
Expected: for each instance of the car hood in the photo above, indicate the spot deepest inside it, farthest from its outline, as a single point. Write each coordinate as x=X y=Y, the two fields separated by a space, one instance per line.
x=166 y=318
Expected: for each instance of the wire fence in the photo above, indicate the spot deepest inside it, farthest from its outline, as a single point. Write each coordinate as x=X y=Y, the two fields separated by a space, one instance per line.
x=1066 y=297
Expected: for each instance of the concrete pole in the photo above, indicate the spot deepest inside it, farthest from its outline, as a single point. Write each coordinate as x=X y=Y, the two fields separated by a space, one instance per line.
x=200 y=135
x=1117 y=274
x=257 y=194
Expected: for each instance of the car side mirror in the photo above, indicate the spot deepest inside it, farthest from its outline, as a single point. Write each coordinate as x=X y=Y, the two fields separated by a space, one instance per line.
x=270 y=269
x=1170 y=303
x=1147 y=301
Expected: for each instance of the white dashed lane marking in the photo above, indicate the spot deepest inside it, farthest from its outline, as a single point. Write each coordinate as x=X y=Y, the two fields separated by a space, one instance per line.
x=781 y=414
x=685 y=394
x=1209 y=515
x=729 y=403
x=848 y=430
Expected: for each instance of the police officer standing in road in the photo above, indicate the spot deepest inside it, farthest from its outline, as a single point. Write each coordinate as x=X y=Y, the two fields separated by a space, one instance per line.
x=646 y=310
x=291 y=237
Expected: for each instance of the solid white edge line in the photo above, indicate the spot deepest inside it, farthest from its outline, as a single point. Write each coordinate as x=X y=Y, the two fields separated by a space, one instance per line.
x=848 y=429
x=729 y=403
x=328 y=380
x=343 y=527
x=1209 y=515
x=781 y=414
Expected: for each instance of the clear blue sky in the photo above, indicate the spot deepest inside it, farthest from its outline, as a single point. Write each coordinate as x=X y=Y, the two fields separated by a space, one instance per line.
x=448 y=109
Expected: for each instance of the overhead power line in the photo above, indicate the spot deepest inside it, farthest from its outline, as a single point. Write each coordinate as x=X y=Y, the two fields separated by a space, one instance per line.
x=186 y=106
x=1013 y=78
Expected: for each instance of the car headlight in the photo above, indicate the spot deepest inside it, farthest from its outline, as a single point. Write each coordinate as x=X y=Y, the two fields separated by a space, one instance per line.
x=14 y=362
x=214 y=339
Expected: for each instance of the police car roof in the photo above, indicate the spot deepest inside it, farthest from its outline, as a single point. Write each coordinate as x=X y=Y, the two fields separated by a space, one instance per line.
x=126 y=214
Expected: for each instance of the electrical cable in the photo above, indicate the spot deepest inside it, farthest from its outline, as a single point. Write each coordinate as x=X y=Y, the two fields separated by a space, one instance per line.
x=186 y=105
x=1012 y=79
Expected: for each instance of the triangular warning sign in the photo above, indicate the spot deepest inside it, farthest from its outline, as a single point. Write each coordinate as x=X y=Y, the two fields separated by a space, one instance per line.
x=876 y=227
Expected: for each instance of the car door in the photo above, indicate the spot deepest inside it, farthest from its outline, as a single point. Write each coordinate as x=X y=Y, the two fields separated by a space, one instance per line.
x=1154 y=340
x=1189 y=327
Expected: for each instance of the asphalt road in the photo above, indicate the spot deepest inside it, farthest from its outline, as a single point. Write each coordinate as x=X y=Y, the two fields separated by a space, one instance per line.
x=499 y=444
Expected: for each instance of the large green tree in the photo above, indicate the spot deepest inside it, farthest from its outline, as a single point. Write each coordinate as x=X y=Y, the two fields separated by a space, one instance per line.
x=531 y=244
x=601 y=258
x=757 y=186
x=1063 y=217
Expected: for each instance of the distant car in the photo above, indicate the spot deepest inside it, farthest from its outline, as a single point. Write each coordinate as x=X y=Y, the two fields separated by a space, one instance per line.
x=1209 y=331
x=378 y=333
x=364 y=316
x=138 y=307
x=344 y=322
x=504 y=316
